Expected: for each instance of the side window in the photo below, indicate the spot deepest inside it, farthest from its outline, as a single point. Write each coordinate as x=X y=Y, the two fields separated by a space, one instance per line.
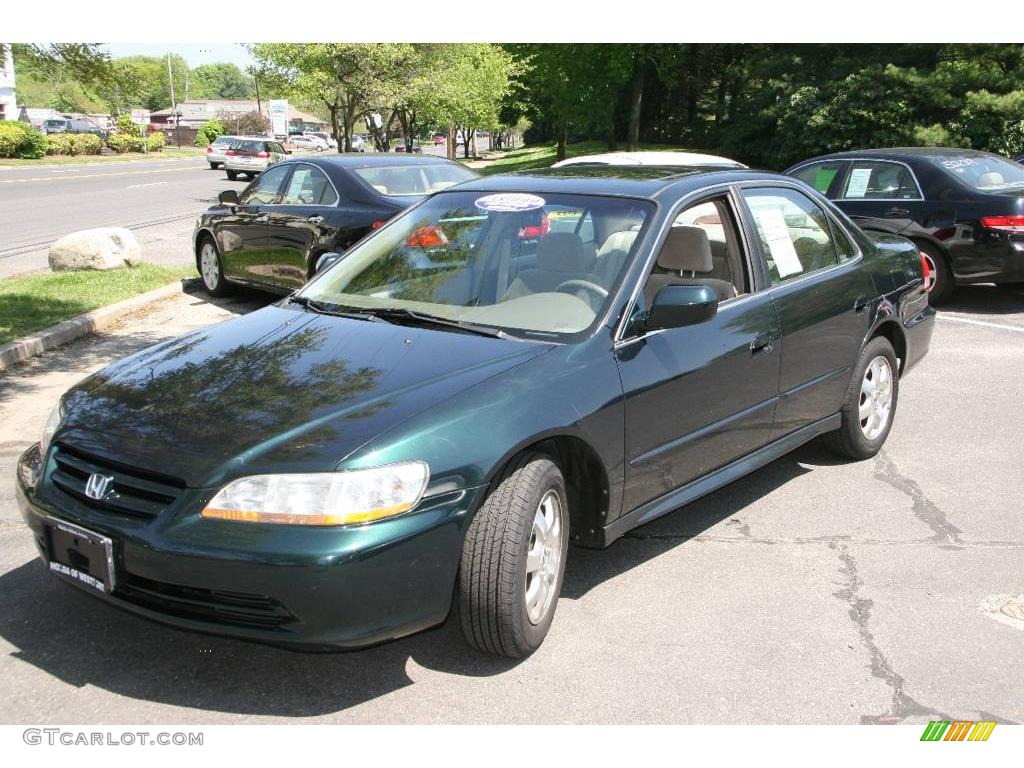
x=309 y=186
x=796 y=238
x=879 y=180
x=820 y=175
x=265 y=190
x=844 y=247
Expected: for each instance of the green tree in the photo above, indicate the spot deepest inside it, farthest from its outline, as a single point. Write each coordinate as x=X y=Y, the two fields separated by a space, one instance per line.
x=221 y=80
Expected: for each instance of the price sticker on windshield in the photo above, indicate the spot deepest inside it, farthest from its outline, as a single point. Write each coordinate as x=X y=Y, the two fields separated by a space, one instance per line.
x=509 y=202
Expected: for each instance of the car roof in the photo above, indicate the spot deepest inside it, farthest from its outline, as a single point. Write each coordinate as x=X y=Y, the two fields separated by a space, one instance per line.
x=650 y=158
x=649 y=181
x=898 y=153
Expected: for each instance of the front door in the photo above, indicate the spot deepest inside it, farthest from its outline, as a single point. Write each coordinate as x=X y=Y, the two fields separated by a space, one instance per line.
x=243 y=233
x=823 y=296
x=302 y=218
x=699 y=397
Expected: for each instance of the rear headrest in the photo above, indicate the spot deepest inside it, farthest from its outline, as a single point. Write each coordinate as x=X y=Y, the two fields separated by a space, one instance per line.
x=617 y=241
x=991 y=179
x=686 y=249
x=562 y=252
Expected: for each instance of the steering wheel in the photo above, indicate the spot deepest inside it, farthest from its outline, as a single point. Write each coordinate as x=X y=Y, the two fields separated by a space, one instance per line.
x=571 y=286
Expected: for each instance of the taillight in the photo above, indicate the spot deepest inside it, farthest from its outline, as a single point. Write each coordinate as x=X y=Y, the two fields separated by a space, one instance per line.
x=262 y=154
x=377 y=224
x=534 y=231
x=1005 y=223
x=230 y=152
x=428 y=236
x=209 y=149
x=926 y=268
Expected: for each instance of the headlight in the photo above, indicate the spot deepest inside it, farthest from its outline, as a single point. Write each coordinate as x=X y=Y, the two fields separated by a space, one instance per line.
x=322 y=498
x=56 y=416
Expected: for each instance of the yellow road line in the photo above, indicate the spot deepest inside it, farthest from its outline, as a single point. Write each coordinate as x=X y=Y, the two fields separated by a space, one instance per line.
x=98 y=175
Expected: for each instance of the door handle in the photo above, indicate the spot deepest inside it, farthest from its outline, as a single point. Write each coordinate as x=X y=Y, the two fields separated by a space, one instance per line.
x=315 y=219
x=262 y=219
x=860 y=304
x=897 y=213
x=761 y=344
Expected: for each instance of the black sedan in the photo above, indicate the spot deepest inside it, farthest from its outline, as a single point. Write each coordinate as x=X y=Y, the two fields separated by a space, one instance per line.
x=963 y=208
x=513 y=364
x=306 y=211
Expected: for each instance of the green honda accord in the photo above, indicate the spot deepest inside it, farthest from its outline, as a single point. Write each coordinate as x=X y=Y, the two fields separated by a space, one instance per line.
x=513 y=365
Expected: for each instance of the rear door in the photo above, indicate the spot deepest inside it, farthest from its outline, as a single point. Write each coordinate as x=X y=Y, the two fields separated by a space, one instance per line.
x=301 y=219
x=242 y=234
x=880 y=195
x=823 y=297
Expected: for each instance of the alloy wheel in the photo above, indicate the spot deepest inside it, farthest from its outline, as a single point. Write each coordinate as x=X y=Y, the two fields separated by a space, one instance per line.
x=209 y=266
x=875 y=398
x=544 y=557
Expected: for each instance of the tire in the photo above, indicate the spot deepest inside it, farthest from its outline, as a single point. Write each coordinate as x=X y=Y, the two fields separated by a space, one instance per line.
x=859 y=437
x=211 y=269
x=944 y=284
x=214 y=166
x=496 y=566
x=232 y=175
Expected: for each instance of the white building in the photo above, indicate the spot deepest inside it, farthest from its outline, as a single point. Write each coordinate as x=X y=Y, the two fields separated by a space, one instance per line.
x=8 y=101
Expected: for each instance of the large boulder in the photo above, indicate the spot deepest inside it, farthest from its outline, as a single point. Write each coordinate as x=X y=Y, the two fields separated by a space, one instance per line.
x=102 y=248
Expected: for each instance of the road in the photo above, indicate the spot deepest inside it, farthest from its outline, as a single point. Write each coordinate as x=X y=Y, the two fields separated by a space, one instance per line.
x=157 y=199
x=814 y=591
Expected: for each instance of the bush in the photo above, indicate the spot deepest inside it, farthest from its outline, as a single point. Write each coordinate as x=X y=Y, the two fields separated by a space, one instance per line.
x=60 y=144
x=73 y=144
x=209 y=131
x=125 y=142
x=156 y=141
x=21 y=140
x=87 y=144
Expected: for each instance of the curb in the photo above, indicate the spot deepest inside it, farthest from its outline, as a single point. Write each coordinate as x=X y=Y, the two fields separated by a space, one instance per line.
x=26 y=347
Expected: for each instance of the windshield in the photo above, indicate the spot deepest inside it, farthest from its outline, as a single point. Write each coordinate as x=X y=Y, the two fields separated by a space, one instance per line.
x=528 y=265
x=404 y=180
x=983 y=172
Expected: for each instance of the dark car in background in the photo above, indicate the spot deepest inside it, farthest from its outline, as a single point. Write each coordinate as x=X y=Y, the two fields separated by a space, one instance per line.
x=339 y=467
x=273 y=234
x=963 y=208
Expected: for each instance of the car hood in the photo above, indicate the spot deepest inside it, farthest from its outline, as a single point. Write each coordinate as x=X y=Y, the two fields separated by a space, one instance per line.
x=279 y=390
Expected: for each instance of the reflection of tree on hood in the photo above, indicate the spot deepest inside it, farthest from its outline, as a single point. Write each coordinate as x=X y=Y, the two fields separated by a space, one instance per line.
x=182 y=393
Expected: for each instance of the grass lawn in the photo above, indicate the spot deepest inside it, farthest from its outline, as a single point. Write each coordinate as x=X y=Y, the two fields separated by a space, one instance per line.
x=168 y=153
x=32 y=302
x=543 y=155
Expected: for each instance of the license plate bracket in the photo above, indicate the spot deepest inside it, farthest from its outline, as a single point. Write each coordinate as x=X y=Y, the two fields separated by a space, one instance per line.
x=78 y=555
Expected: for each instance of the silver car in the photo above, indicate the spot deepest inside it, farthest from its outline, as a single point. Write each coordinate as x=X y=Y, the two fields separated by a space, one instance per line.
x=252 y=156
x=216 y=150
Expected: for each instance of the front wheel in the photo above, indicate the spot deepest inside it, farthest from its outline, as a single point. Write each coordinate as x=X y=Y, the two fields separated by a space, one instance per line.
x=211 y=269
x=870 y=404
x=513 y=559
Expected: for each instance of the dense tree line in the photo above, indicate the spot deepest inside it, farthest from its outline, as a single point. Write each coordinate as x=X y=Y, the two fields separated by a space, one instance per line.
x=770 y=105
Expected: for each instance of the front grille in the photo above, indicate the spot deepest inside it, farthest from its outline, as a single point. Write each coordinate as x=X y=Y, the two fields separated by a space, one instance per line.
x=133 y=492
x=212 y=605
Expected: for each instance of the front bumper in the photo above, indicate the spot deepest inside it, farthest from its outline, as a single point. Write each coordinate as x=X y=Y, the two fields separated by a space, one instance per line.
x=316 y=587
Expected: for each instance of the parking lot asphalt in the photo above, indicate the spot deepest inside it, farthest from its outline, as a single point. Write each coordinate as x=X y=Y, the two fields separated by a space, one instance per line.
x=813 y=591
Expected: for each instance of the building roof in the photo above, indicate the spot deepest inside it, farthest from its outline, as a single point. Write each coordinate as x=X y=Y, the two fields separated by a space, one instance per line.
x=206 y=109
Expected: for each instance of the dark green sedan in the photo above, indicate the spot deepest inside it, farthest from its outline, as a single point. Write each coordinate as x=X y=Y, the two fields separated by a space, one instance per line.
x=514 y=364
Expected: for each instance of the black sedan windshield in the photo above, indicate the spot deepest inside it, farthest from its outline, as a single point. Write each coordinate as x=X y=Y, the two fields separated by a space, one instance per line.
x=518 y=262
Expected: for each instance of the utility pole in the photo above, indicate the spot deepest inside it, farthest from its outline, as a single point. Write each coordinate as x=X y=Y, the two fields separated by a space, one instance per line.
x=174 y=104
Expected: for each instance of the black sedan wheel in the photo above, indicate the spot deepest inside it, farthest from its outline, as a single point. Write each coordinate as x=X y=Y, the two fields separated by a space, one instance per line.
x=513 y=559
x=210 y=268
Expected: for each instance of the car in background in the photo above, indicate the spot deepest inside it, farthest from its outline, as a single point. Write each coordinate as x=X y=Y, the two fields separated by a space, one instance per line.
x=331 y=143
x=72 y=125
x=689 y=159
x=964 y=209
x=275 y=232
x=309 y=142
x=217 y=149
x=440 y=138
x=401 y=144
x=249 y=156
x=391 y=445
x=358 y=143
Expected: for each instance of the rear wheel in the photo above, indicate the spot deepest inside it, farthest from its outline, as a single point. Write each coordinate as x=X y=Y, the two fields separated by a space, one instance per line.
x=513 y=559
x=870 y=404
x=232 y=175
x=942 y=281
x=214 y=166
x=210 y=268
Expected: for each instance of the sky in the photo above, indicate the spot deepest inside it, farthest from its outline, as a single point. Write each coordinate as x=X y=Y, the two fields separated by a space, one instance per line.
x=194 y=53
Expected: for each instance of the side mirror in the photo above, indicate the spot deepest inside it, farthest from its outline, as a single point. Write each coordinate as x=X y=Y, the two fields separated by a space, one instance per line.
x=228 y=197
x=325 y=261
x=677 y=306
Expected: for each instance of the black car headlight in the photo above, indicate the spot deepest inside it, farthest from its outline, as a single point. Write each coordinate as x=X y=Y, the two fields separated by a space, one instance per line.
x=347 y=497
x=51 y=426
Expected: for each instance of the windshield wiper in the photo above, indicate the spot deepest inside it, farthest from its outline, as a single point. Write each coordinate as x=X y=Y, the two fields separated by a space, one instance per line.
x=335 y=310
x=411 y=316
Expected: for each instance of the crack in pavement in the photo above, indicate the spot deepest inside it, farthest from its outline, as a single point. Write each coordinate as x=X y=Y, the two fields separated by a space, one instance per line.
x=927 y=511
x=902 y=705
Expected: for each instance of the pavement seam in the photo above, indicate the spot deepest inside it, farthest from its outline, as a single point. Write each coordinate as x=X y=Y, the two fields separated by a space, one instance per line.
x=927 y=511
